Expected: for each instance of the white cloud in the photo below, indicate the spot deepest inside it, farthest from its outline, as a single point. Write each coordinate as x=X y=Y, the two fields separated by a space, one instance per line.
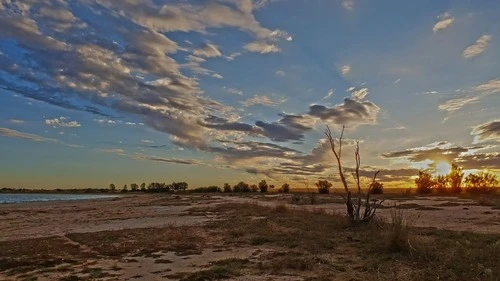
x=147 y=141
x=262 y=100
x=478 y=47
x=262 y=47
x=345 y=69
x=445 y=20
x=61 y=122
x=280 y=73
x=217 y=75
x=348 y=4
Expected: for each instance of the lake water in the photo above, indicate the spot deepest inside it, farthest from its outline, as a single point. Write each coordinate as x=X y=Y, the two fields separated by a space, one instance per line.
x=9 y=198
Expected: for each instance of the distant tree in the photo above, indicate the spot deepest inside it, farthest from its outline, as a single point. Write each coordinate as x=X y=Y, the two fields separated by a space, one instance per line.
x=263 y=186
x=271 y=186
x=323 y=186
x=143 y=186
x=441 y=184
x=455 y=178
x=424 y=183
x=241 y=187
x=134 y=187
x=483 y=182
x=227 y=187
x=377 y=188
x=112 y=187
x=124 y=189
x=254 y=188
x=179 y=186
x=285 y=188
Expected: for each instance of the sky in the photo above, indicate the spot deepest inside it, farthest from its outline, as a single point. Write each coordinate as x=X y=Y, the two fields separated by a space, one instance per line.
x=94 y=92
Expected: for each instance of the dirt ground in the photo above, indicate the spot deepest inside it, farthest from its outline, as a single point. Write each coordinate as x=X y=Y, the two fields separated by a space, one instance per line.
x=205 y=237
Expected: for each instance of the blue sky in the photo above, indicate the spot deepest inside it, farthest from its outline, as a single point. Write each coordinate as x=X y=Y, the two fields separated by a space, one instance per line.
x=214 y=91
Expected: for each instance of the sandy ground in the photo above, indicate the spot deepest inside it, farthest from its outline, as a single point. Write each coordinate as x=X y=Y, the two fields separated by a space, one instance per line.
x=46 y=219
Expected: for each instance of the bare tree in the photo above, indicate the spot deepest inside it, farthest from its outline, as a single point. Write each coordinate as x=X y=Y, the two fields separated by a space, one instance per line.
x=354 y=207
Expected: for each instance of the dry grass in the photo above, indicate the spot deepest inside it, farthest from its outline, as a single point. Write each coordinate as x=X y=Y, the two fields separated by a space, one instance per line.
x=284 y=241
x=142 y=241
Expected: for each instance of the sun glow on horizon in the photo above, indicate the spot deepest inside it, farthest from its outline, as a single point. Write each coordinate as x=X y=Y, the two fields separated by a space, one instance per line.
x=442 y=169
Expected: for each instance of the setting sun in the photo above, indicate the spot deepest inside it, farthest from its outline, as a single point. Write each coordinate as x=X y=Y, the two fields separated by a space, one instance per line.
x=442 y=168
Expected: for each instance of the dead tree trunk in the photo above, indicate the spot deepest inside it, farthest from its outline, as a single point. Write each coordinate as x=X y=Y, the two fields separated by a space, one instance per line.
x=354 y=207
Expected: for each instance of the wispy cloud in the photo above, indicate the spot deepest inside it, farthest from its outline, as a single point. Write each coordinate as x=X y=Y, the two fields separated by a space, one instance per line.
x=445 y=20
x=62 y=122
x=329 y=94
x=208 y=51
x=473 y=96
x=280 y=73
x=17 y=121
x=262 y=100
x=6 y=132
x=478 y=47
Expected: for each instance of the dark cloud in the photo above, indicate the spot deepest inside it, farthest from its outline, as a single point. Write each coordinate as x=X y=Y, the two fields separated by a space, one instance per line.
x=277 y=132
x=466 y=157
x=244 y=150
x=489 y=131
x=443 y=151
x=299 y=122
x=351 y=112
x=480 y=161
x=172 y=160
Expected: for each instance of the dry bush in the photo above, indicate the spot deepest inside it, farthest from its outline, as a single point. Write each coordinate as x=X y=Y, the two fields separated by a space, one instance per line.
x=398 y=236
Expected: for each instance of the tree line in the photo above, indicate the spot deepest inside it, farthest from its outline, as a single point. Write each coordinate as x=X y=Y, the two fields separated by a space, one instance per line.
x=454 y=182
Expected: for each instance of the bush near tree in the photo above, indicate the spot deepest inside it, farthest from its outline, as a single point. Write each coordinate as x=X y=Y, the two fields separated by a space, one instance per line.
x=377 y=188
x=285 y=188
x=482 y=182
x=424 y=182
x=323 y=186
